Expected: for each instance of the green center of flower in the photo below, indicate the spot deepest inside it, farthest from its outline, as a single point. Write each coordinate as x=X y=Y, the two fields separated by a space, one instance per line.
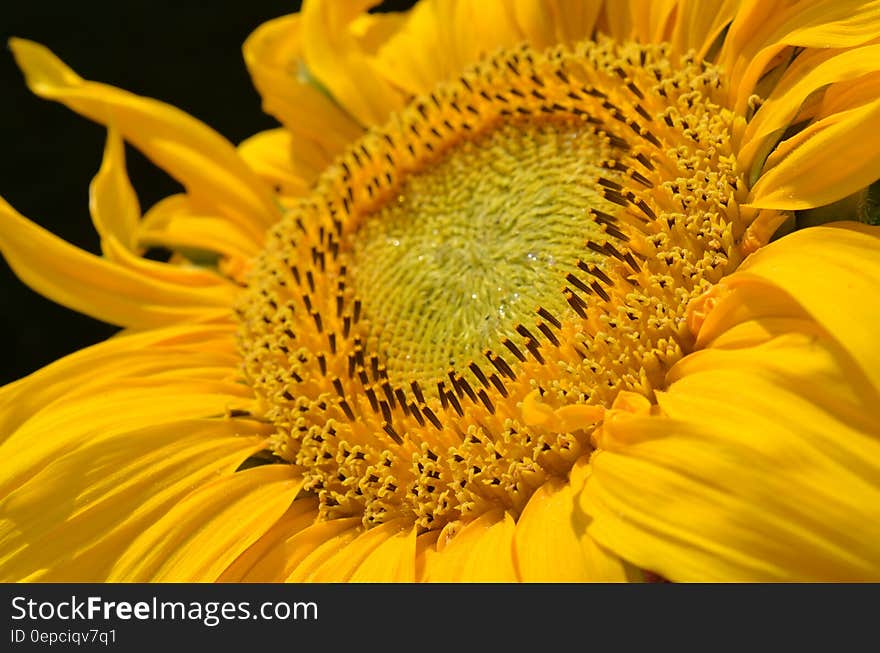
x=474 y=245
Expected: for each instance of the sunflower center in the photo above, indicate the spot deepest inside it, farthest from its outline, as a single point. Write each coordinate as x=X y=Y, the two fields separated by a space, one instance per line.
x=436 y=331
x=475 y=243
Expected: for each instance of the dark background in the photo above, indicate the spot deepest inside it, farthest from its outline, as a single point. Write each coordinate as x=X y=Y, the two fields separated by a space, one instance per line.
x=183 y=52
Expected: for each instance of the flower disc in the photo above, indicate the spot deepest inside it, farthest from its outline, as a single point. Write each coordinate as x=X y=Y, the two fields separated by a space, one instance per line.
x=439 y=327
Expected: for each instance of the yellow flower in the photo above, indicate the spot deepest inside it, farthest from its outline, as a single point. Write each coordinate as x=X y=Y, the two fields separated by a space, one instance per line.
x=495 y=303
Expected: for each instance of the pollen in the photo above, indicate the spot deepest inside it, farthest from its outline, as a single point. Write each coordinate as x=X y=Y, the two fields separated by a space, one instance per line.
x=437 y=329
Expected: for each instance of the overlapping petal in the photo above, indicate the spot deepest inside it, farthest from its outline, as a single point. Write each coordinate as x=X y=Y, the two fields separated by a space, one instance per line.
x=187 y=351
x=423 y=52
x=810 y=73
x=99 y=287
x=319 y=127
x=177 y=224
x=269 y=154
x=848 y=138
x=116 y=215
x=89 y=462
x=200 y=536
x=648 y=22
x=113 y=202
x=71 y=520
x=781 y=479
x=698 y=24
x=546 y=23
x=549 y=546
x=482 y=551
x=763 y=29
x=382 y=553
x=337 y=57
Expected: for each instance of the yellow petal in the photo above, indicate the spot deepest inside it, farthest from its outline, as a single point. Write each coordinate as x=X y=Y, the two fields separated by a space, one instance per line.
x=616 y=20
x=641 y=20
x=369 y=548
x=100 y=288
x=426 y=549
x=319 y=128
x=764 y=463
x=771 y=486
x=205 y=532
x=76 y=516
x=850 y=94
x=760 y=331
x=130 y=405
x=534 y=411
x=335 y=56
x=548 y=546
x=482 y=28
x=747 y=34
x=697 y=25
x=308 y=549
x=175 y=223
x=753 y=299
x=393 y=561
x=827 y=161
x=482 y=552
x=810 y=72
x=112 y=201
x=838 y=383
x=373 y=30
x=420 y=54
x=833 y=273
x=83 y=436
x=424 y=52
x=763 y=29
x=188 y=277
x=545 y=24
x=264 y=560
x=93 y=370
x=567 y=418
x=652 y=20
x=268 y=154
x=116 y=215
x=202 y=160
x=274 y=56
x=310 y=157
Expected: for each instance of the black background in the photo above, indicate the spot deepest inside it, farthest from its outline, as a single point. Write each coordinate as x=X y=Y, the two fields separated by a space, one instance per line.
x=186 y=53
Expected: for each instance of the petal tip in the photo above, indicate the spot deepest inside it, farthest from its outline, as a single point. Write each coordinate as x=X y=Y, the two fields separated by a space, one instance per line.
x=42 y=69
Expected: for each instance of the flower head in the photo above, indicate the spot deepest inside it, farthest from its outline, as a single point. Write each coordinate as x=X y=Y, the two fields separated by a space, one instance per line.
x=495 y=303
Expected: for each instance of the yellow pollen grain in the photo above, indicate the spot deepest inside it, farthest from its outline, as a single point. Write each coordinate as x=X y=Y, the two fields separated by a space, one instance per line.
x=436 y=330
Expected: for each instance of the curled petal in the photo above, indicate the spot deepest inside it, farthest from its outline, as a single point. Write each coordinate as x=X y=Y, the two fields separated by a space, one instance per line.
x=197 y=156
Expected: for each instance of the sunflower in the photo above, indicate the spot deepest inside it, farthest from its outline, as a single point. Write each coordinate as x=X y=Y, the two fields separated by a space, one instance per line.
x=506 y=297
